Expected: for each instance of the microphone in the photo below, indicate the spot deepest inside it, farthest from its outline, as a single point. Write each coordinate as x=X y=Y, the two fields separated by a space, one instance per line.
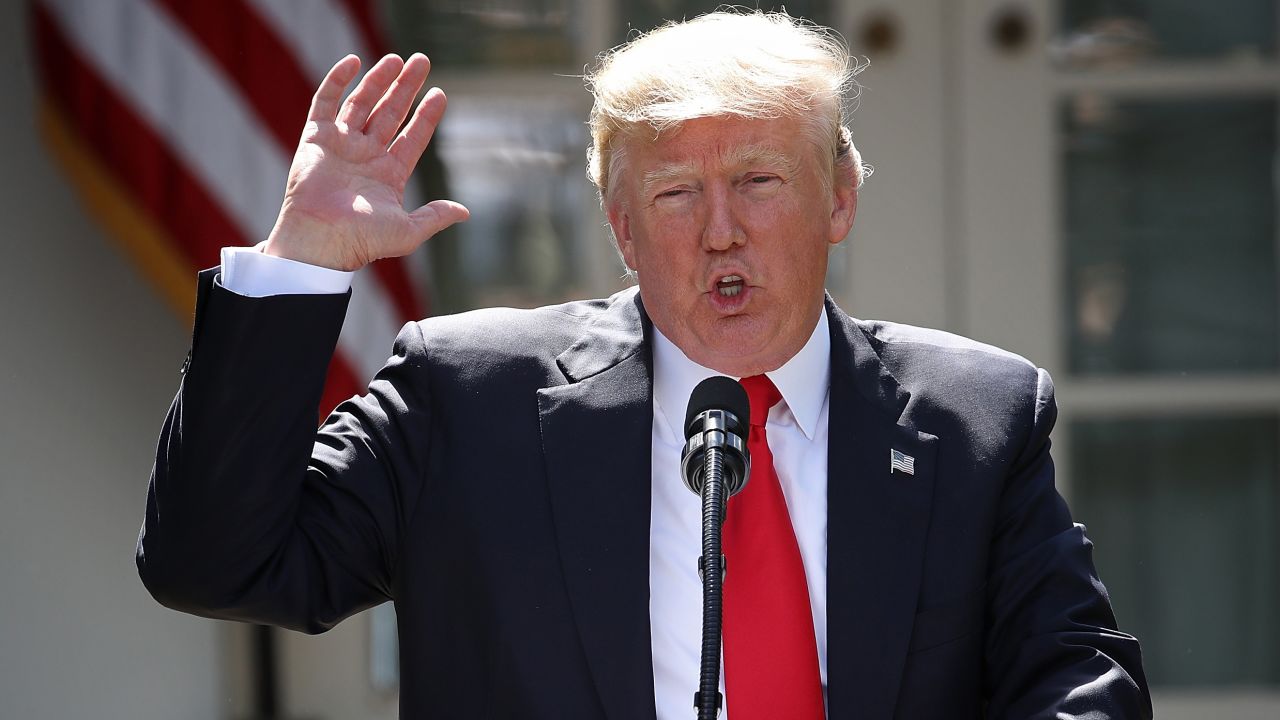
x=718 y=417
x=715 y=465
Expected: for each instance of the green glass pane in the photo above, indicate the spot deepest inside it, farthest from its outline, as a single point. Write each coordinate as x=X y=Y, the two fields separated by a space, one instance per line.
x=1124 y=32
x=1185 y=516
x=490 y=33
x=644 y=15
x=517 y=164
x=1169 y=220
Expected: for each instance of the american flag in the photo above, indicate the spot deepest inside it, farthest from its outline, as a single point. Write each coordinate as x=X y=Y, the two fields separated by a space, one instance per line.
x=901 y=462
x=177 y=120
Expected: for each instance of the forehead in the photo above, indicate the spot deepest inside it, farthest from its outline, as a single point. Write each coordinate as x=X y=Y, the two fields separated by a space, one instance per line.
x=706 y=144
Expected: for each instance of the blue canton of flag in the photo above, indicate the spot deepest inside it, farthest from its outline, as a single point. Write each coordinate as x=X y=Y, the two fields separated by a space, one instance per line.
x=901 y=462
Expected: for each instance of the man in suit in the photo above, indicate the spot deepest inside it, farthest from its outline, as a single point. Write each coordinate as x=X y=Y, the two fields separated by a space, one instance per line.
x=510 y=481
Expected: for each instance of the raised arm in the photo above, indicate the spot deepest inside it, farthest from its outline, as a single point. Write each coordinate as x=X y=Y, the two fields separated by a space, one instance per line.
x=250 y=514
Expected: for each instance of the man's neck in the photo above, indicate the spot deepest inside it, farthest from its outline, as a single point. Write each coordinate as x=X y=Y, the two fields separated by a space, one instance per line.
x=803 y=379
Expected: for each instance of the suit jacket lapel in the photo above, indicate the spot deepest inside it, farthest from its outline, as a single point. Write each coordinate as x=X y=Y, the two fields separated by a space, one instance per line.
x=876 y=526
x=596 y=437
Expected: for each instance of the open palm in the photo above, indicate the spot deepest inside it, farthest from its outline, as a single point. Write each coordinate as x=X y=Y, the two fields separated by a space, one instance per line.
x=344 y=203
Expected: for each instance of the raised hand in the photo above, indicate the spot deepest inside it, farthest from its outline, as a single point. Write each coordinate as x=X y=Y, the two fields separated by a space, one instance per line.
x=344 y=204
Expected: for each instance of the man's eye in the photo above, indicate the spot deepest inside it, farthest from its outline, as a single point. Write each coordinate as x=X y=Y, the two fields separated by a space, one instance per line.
x=671 y=193
x=762 y=179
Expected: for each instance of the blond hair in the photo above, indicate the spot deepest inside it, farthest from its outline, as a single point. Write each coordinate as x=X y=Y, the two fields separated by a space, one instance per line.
x=747 y=64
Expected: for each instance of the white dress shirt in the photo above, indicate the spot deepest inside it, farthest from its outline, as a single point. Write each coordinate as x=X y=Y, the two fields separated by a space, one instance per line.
x=797 y=429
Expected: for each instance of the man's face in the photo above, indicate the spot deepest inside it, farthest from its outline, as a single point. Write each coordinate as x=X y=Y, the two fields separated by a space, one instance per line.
x=727 y=223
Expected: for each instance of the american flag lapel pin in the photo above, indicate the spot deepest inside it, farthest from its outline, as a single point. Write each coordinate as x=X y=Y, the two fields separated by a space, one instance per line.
x=901 y=462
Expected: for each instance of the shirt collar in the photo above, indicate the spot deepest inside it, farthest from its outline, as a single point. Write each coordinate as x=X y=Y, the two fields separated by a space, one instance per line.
x=803 y=381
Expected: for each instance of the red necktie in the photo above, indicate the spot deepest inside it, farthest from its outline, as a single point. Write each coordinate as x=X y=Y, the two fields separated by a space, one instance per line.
x=770 y=653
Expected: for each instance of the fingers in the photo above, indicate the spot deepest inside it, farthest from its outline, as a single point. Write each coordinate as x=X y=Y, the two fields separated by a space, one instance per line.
x=436 y=216
x=324 y=104
x=391 y=110
x=372 y=87
x=412 y=141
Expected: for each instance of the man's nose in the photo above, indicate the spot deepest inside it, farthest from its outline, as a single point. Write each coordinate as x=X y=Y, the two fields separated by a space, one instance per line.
x=722 y=230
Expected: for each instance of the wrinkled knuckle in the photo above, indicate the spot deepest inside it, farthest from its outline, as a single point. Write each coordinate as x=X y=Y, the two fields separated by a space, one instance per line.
x=310 y=130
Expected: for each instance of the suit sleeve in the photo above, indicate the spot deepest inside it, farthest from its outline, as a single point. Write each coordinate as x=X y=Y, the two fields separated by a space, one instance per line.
x=251 y=513
x=1052 y=647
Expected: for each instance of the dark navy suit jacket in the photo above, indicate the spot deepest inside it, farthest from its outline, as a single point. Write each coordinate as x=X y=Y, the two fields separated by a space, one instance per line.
x=494 y=483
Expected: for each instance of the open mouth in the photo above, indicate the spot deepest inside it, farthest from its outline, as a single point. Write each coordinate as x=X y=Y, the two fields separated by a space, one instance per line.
x=729 y=285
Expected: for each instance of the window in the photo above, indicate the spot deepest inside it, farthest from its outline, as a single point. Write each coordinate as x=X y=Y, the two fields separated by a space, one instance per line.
x=1169 y=316
x=1170 y=236
x=1185 y=513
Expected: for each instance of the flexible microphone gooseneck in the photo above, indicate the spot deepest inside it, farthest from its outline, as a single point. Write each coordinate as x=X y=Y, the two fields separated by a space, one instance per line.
x=715 y=465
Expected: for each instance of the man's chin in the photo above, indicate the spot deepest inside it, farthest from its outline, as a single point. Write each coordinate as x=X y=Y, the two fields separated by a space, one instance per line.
x=735 y=355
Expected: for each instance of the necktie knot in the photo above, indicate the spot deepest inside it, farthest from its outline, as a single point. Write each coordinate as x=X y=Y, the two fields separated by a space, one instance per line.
x=763 y=395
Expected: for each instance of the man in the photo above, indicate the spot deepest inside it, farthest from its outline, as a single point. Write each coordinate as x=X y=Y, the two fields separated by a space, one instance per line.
x=510 y=479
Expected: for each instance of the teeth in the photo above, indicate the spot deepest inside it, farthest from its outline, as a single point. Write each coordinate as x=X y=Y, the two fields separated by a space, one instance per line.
x=729 y=285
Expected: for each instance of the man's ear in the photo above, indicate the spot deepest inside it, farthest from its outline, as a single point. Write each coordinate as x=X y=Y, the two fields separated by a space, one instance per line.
x=620 y=224
x=844 y=196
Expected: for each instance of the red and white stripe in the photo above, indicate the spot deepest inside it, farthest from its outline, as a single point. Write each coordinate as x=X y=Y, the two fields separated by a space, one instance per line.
x=178 y=121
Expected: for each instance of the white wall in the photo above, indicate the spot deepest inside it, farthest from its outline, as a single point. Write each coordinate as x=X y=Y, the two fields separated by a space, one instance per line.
x=327 y=676
x=89 y=359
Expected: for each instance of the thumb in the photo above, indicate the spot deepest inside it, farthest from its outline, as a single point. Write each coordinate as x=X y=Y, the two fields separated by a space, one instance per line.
x=436 y=216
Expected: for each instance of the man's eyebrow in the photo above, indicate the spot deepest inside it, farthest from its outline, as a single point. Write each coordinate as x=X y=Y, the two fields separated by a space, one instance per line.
x=762 y=155
x=745 y=156
x=664 y=174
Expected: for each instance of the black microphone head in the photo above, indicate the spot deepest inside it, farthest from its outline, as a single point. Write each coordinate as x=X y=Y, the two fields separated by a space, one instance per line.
x=719 y=393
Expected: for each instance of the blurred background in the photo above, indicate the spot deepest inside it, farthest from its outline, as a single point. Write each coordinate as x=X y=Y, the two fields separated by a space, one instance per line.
x=1090 y=183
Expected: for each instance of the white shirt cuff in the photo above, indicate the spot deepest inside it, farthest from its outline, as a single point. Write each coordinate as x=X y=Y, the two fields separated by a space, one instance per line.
x=247 y=271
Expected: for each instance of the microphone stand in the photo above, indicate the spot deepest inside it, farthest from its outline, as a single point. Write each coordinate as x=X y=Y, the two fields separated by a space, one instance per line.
x=709 y=482
x=711 y=568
